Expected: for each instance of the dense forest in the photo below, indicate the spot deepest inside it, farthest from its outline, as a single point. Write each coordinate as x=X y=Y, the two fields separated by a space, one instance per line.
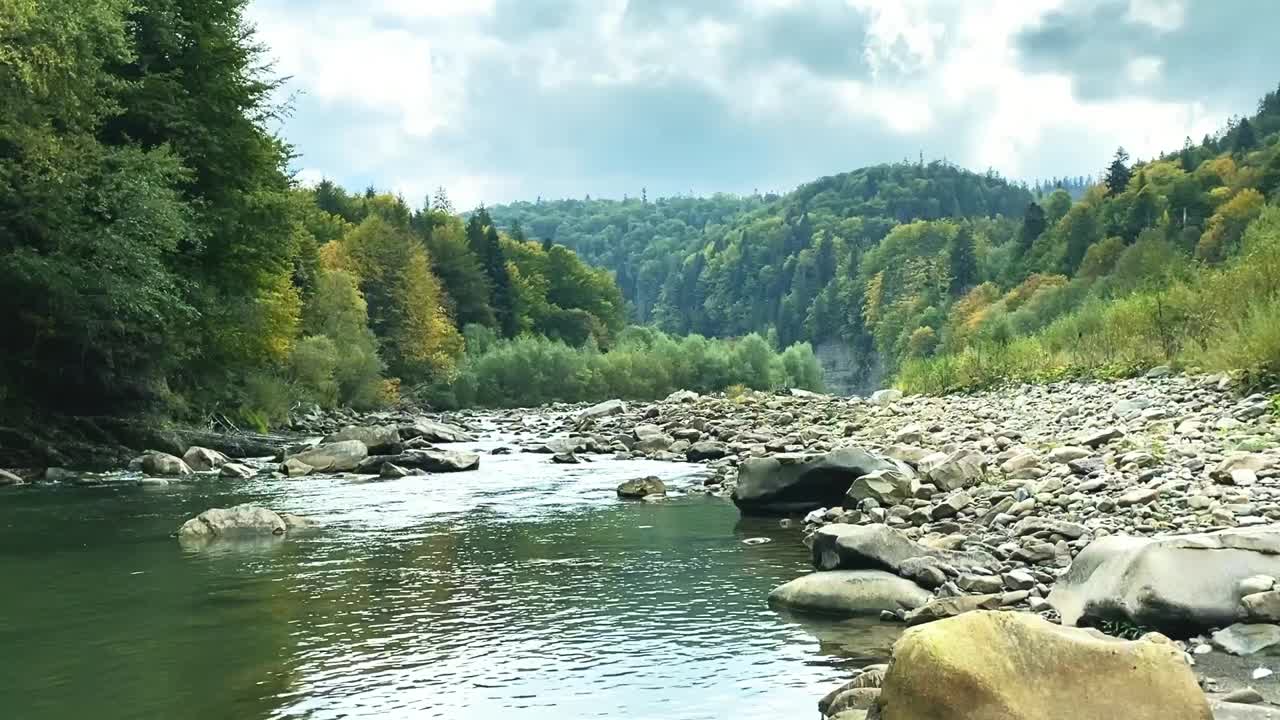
x=156 y=254
x=725 y=266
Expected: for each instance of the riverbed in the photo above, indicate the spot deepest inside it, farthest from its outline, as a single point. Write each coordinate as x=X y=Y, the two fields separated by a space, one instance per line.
x=524 y=590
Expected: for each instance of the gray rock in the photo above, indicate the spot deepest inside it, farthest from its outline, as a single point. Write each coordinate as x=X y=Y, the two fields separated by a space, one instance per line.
x=792 y=483
x=1067 y=453
x=241 y=521
x=294 y=467
x=565 y=459
x=887 y=487
x=377 y=439
x=164 y=465
x=858 y=547
x=1262 y=607
x=1244 y=696
x=236 y=471
x=1101 y=437
x=1255 y=462
x=1242 y=639
x=8 y=478
x=885 y=398
x=392 y=471
x=952 y=505
x=980 y=584
x=1033 y=525
x=604 y=409
x=849 y=592
x=960 y=469
x=436 y=432
x=432 y=461
x=949 y=607
x=1138 y=496
x=706 y=450
x=203 y=459
x=1175 y=584
x=334 y=457
x=641 y=487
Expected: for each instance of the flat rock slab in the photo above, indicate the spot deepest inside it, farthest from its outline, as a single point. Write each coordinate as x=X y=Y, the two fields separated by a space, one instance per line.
x=1178 y=585
x=880 y=547
x=849 y=593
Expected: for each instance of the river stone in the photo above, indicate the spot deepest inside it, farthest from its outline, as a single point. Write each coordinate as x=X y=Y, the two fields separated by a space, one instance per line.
x=793 y=483
x=164 y=465
x=441 y=461
x=235 y=471
x=1262 y=607
x=880 y=547
x=885 y=398
x=436 y=432
x=910 y=454
x=1101 y=437
x=887 y=487
x=377 y=439
x=202 y=459
x=949 y=607
x=1033 y=525
x=1253 y=462
x=1017 y=666
x=334 y=457
x=294 y=467
x=641 y=487
x=654 y=443
x=849 y=592
x=706 y=450
x=1246 y=639
x=1066 y=454
x=604 y=409
x=1177 y=584
x=239 y=521
x=960 y=469
x=853 y=699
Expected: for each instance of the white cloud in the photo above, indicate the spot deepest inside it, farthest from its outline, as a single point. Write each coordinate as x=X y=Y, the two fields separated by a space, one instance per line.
x=413 y=93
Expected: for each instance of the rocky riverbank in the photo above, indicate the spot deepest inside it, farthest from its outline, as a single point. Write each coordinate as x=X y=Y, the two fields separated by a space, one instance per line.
x=1140 y=505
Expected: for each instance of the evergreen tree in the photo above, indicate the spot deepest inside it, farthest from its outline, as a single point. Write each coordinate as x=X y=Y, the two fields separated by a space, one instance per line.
x=962 y=261
x=1243 y=139
x=503 y=297
x=1033 y=224
x=1118 y=173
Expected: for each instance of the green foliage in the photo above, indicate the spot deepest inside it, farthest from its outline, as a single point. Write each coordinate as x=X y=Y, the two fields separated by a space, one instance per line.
x=644 y=364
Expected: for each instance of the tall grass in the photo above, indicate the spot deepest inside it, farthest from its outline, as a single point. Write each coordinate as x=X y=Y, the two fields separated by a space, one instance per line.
x=1211 y=318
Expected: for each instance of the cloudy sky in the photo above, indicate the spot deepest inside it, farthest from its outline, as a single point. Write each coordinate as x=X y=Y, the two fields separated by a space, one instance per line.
x=512 y=99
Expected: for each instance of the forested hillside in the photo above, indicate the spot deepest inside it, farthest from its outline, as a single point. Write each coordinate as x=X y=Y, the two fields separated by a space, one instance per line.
x=797 y=264
x=1170 y=261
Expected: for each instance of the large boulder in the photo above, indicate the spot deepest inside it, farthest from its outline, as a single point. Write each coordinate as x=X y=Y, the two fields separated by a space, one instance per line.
x=792 y=483
x=1177 y=585
x=202 y=459
x=604 y=409
x=886 y=487
x=377 y=439
x=849 y=592
x=706 y=450
x=960 y=469
x=239 y=521
x=885 y=398
x=880 y=547
x=641 y=487
x=164 y=465
x=436 y=432
x=432 y=461
x=333 y=457
x=1016 y=666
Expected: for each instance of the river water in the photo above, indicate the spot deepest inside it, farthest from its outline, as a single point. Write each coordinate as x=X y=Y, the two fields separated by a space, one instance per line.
x=525 y=590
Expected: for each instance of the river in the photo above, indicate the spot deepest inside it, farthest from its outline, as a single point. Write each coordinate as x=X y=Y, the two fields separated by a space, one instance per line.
x=524 y=590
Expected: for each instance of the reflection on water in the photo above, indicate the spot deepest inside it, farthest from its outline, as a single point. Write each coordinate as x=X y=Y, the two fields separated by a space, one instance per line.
x=526 y=590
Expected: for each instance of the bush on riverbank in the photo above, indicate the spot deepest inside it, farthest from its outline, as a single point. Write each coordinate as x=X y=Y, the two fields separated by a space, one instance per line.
x=643 y=364
x=1217 y=319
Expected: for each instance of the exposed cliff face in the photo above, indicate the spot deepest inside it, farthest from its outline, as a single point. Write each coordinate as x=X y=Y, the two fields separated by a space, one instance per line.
x=846 y=371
